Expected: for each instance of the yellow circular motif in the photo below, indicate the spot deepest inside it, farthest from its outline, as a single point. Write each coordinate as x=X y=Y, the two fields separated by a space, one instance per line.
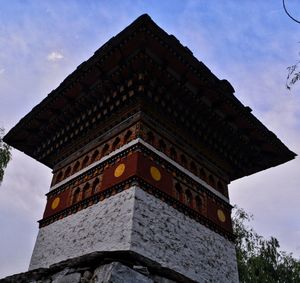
x=119 y=170
x=55 y=203
x=155 y=173
x=221 y=215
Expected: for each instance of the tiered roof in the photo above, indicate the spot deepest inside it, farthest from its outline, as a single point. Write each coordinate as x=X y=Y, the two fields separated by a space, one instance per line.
x=143 y=67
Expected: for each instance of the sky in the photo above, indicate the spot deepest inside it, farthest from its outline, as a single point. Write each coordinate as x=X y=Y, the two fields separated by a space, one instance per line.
x=250 y=43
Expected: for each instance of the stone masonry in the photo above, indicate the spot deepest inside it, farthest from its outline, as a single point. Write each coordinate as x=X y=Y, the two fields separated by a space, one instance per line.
x=136 y=221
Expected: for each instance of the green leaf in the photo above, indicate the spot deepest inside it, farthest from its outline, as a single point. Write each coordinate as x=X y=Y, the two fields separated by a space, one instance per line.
x=5 y=155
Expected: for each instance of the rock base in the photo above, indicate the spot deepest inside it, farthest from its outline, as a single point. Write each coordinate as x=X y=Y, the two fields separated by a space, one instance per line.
x=101 y=267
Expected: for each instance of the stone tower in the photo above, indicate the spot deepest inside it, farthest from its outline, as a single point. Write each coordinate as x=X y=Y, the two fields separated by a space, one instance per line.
x=143 y=141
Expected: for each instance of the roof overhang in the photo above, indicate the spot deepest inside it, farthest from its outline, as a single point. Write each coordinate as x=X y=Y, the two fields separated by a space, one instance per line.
x=161 y=65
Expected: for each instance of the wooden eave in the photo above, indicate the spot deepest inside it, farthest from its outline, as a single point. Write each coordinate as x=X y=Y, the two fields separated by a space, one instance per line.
x=202 y=89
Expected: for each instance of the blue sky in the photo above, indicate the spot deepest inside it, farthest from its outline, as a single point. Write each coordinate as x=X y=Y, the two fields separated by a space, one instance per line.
x=250 y=43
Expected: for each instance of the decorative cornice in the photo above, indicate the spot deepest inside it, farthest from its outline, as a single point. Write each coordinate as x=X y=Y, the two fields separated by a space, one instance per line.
x=123 y=151
x=109 y=64
x=137 y=182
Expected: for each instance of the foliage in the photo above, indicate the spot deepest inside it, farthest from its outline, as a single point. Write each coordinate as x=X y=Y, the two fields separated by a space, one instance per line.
x=293 y=75
x=5 y=155
x=260 y=260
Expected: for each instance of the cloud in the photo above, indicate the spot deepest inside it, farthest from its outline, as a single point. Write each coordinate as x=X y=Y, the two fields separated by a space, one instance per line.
x=22 y=201
x=271 y=195
x=254 y=61
x=2 y=70
x=55 y=56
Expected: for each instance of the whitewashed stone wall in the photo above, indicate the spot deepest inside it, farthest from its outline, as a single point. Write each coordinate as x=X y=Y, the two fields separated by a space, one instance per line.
x=134 y=220
x=176 y=241
x=105 y=226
